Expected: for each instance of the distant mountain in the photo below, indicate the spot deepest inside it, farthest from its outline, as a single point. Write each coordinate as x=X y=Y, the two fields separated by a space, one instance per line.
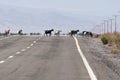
x=35 y=19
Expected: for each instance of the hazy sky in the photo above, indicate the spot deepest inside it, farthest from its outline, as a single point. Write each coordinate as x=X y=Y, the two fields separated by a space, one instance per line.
x=104 y=8
x=95 y=7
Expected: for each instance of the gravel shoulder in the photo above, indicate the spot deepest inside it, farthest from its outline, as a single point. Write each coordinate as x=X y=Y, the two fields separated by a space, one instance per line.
x=105 y=64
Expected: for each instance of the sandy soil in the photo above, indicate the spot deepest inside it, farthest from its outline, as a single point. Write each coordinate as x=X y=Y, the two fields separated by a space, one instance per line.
x=103 y=53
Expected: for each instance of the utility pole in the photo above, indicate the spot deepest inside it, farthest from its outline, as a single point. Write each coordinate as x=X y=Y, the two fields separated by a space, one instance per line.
x=107 y=26
x=101 y=29
x=104 y=27
x=115 y=23
x=111 y=24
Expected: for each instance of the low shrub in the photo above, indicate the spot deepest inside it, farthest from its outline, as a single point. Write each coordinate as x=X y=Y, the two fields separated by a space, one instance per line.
x=104 y=40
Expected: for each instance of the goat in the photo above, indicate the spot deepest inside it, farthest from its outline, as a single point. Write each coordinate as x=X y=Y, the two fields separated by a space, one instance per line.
x=73 y=32
x=20 y=32
x=87 y=33
x=48 y=32
x=7 y=32
x=57 y=33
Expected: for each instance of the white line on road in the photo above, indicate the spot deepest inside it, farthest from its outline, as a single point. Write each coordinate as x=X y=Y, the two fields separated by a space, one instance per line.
x=34 y=42
x=10 y=57
x=89 y=69
x=23 y=50
x=28 y=47
x=31 y=45
x=18 y=52
x=2 y=62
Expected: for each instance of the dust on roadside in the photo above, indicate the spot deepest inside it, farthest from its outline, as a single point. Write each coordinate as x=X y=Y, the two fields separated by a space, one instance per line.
x=103 y=54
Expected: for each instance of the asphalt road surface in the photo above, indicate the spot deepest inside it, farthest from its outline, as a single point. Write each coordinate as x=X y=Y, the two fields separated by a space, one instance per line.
x=46 y=58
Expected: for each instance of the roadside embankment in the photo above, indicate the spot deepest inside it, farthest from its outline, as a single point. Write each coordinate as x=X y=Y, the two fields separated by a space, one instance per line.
x=103 y=53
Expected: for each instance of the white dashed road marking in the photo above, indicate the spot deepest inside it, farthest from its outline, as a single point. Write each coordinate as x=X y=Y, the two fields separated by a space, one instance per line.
x=10 y=57
x=2 y=62
x=23 y=50
x=18 y=52
x=34 y=42
x=31 y=45
x=89 y=69
x=28 y=47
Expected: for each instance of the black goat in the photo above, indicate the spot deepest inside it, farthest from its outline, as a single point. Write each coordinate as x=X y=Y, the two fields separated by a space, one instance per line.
x=74 y=32
x=48 y=32
x=7 y=32
x=87 y=33
x=20 y=32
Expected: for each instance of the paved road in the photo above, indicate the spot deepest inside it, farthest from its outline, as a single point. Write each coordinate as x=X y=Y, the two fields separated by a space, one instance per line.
x=43 y=58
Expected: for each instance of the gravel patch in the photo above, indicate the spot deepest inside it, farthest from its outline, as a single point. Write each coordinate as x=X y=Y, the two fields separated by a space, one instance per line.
x=103 y=52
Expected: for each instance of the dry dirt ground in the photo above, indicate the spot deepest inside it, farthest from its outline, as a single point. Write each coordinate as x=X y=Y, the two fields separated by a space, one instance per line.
x=103 y=54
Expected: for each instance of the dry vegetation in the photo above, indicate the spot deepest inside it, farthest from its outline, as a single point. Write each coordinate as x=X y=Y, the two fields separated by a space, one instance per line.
x=112 y=39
